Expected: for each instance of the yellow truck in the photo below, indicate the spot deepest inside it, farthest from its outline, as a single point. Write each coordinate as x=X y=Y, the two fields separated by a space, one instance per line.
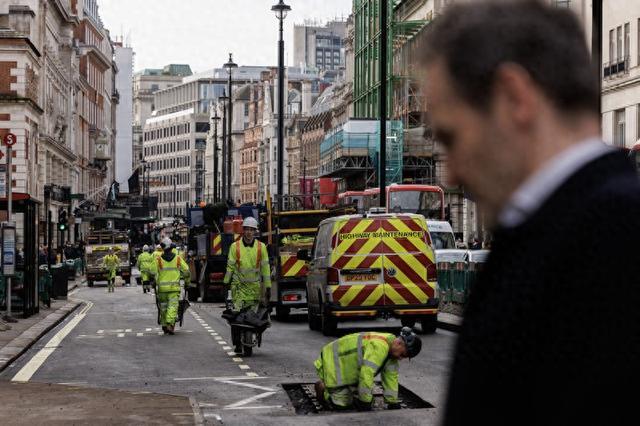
x=98 y=244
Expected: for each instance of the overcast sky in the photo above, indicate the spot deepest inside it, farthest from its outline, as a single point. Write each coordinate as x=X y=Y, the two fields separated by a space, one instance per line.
x=202 y=32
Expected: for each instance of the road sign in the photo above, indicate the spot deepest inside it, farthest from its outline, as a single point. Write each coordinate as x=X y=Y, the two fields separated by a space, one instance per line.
x=10 y=139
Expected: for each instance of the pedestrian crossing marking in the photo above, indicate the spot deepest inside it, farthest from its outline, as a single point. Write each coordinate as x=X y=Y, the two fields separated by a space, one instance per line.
x=160 y=333
x=147 y=329
x=128 y=330
x=100 y=331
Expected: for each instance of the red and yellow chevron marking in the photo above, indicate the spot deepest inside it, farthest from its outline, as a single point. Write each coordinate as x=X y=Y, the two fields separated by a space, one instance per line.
x=398 y=246
x=291 y=266
x=216 y=244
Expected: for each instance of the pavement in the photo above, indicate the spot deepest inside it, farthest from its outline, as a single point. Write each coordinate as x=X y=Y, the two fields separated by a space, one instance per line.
x=26 y=331
x=52 y=404
x=109 y=363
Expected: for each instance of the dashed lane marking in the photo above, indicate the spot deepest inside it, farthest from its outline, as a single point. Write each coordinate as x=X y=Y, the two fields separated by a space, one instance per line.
x=244 y=367
x=251 y=374
x=218 y=338
x=226 y=348
x=120 y=334
x=222 y=342
x=237 y=359
x=139 y=334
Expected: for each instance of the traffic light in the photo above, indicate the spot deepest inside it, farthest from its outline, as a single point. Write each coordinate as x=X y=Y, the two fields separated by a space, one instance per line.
x=62 y=221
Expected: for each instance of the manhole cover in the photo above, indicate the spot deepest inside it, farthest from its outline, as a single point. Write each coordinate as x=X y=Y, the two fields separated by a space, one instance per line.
x=303 y=398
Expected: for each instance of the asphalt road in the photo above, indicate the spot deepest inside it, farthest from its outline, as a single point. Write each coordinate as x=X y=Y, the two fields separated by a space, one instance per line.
x=118 y=345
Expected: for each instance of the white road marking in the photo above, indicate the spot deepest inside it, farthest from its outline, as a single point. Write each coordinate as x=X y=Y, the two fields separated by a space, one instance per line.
x=227 y=348
x=119 y=330
x=39 y=358
x=160 y=333
x=147 y=329
x=139 y=334
x=207 y=404
x=120 y=334
x=258 y=407
x=242 y=403
x=252 y=374
x=237 y=359
x=128 y=330
x=218 y=338
x=230 y=353
x=215 y=415
x=221 y=379
x=222 y=342
x=244 y=367
x=100 y=331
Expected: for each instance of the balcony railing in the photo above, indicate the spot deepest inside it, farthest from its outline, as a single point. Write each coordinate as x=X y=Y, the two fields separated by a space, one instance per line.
x=615 y=68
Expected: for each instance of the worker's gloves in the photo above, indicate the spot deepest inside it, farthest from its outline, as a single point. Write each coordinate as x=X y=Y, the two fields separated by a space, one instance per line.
x=361 y=405
x=393 y=406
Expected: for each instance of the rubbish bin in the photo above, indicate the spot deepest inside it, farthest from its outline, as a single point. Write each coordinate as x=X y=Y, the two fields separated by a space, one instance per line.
x=70 y=268
x=44 y=285
x=60 y=283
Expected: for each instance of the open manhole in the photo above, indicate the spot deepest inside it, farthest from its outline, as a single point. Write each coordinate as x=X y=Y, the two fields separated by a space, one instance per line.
x=303 y=398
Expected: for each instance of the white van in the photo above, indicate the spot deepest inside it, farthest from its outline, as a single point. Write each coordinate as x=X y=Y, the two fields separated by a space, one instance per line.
x=441 y=234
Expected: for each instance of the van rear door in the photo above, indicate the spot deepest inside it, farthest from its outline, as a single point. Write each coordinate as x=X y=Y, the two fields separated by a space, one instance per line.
x=355 y=276
x=408 y=261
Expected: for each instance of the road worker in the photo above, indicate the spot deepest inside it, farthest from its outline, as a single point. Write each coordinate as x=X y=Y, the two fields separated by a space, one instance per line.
x=347 y=366
x=158 y=251
x=111 y=262
x=168 y=270
x=248 y=274
x=143 y=260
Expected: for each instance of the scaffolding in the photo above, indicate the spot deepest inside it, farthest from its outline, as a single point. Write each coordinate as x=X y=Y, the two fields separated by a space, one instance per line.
x=354 y=147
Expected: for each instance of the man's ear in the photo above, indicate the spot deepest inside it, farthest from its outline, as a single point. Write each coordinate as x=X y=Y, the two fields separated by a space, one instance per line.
x=517 y=94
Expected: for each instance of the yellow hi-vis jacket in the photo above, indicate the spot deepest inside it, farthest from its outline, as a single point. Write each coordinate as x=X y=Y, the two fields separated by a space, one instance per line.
x=168 y=273
x=144 y=259
x=355 y=359
x=247 y=266
x=111 y=262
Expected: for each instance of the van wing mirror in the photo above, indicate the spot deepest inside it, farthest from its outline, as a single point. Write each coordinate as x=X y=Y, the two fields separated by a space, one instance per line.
x=303 y=255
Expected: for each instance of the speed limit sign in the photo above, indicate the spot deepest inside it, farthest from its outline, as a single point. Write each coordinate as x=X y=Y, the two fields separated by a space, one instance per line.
x=10 y=139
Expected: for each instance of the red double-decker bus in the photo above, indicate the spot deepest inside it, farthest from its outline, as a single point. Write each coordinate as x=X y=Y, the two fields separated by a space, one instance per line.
x=427 y=200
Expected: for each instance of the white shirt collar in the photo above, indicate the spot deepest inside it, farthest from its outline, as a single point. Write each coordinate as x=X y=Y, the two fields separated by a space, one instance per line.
x=530 y=196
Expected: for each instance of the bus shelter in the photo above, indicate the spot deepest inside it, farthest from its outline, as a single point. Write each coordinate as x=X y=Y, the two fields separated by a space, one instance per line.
x=24 y=284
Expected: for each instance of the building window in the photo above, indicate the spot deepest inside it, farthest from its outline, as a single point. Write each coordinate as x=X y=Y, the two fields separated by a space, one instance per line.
x=563 y=3
x=627 y=42
x=619 y=44
x=619 y=128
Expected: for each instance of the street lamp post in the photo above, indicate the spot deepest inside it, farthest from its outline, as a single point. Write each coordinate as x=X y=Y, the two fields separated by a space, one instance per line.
x=304 y=181
x=214 y=119
x=230 y=66
x=223 y=188
x=289 y=182
x=281 y=10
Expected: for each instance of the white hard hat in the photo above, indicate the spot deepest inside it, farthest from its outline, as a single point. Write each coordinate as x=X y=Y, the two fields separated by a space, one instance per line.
x=250 y=222
x=166 y=242
x=158 y=246
x=145 y=247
